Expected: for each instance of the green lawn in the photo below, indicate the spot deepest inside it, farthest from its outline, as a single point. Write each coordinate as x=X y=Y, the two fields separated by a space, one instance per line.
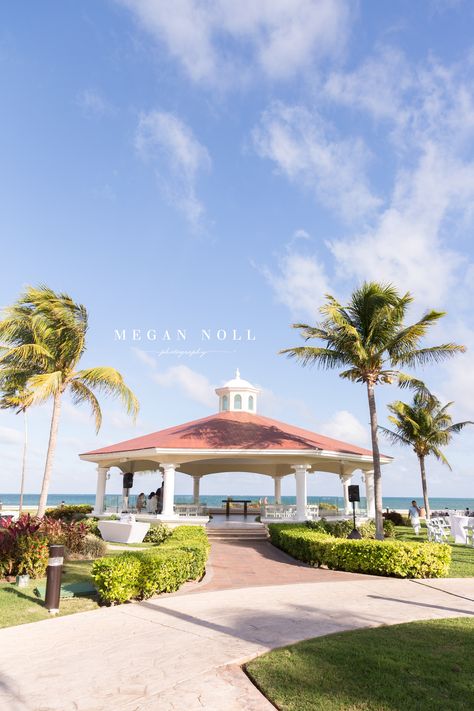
x=415 y=667
x=20 y=605
x=462 y=557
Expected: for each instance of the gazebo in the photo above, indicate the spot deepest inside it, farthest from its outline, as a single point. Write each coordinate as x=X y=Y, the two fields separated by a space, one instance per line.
x=235 y=439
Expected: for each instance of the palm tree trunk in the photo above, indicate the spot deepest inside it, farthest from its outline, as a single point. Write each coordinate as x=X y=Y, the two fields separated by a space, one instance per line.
x=376 y=459
x=424 y=486
x=53 y=436
x=23 y=465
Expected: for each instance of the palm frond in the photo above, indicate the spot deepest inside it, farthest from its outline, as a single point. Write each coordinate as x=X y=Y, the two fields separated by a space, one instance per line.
x=82 y=394
x=109 y=381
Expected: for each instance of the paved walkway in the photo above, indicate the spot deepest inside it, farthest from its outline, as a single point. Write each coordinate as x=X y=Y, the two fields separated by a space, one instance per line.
x=242 y=564
x=181 y=652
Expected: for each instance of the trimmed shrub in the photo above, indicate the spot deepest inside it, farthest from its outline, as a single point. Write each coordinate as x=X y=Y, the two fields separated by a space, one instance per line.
x=326 y=506
x=390 y=558
x=117 y=579
x=157 y=534
x=70 y=512
x=165 y=568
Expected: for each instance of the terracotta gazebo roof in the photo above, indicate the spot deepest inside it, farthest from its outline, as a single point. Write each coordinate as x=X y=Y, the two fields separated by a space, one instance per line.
x=234 y=431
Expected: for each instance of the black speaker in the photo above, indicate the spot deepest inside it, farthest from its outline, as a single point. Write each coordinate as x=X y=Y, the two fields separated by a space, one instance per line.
x=353 y=491
x=128 y=480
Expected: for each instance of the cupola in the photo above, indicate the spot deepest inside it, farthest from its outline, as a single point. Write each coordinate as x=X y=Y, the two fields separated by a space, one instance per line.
x=237 y=395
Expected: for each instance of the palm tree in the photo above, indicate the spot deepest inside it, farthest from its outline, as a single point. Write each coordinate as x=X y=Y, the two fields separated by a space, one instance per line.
x=46 y=331
x=15 y=396
x=368 y=338
x=426 y=426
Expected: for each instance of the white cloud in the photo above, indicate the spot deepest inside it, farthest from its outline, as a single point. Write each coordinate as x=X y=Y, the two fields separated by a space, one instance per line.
x=195 y=385
x=145 y=357
x=345 y=426
x=407 y=246
x=178 y=157
x=304 y=149
x=93 y=103
x=221 y=41
x=299 y=282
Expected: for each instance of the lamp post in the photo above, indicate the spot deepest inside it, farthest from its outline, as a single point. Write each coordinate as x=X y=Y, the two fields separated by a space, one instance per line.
x=354 y=495
x=53 y=578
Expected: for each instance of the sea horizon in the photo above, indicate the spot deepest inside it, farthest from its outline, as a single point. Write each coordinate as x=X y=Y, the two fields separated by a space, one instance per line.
x=215 y=500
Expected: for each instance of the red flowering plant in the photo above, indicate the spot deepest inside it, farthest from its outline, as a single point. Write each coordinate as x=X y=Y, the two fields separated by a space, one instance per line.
x=13 y=535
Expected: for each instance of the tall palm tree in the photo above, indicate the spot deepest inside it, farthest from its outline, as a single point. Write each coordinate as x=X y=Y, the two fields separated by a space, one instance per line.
x=369 y=339
x=426 y=426
x=47 y=330
x=15 y=396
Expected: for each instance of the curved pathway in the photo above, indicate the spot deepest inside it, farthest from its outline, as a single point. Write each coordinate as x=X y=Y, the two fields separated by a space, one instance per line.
x=181 y=652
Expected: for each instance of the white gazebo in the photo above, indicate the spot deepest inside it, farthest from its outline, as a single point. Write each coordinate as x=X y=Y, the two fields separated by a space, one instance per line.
x=235 y=439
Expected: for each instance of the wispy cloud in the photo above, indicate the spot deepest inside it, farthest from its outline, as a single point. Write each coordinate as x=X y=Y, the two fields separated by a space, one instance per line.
x=93 y=103
x=164 y=140
x=195 y=385
x=307 y=151
x=299 y=281
x=345 y=426
x=219 y=42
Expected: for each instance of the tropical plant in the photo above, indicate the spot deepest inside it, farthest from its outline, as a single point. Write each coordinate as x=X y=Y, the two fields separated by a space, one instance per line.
x=369 y=339
x=426 y=426
x=46 y=331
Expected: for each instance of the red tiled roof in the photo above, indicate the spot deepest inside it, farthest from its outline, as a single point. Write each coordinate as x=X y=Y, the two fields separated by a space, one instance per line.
x=234 y=430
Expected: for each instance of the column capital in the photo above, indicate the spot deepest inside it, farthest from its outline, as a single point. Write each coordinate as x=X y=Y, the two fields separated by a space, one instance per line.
x=101 y=468
x=301 y=467
x=344 y=478
x=168 y=466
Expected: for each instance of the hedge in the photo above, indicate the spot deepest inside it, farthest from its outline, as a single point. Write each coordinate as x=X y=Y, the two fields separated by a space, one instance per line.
x=164 y=568
x=389 y=558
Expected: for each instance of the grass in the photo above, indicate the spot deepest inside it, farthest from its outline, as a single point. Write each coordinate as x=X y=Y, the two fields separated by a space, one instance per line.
x=20 y=605
x=416 y=666
x=462 y=557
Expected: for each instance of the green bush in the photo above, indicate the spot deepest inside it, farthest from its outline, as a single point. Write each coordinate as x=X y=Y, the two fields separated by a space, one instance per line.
x=389 y=529
x=396 y=518
x=367 y=529
x=32 y=554
x=117 y=579
x=91 y=547
x=390 y=558
x=157 y=534
x=92 y=527
x=165 y=568
x=325 y=506
x=70 y=512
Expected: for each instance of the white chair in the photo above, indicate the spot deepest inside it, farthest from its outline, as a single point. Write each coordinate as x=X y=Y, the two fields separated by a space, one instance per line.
x=437 y=532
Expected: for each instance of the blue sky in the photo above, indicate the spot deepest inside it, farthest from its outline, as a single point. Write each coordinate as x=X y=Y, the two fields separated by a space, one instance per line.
x=222 y=165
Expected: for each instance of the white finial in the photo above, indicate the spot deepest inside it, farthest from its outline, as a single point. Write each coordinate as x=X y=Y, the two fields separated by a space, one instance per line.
x=237 y=374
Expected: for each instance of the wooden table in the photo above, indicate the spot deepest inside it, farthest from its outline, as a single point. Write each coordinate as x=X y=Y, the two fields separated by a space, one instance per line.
x=228 y=502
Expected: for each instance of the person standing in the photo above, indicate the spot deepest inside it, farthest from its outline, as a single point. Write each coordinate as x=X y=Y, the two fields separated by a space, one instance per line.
x=414 y=514
x=159 y=499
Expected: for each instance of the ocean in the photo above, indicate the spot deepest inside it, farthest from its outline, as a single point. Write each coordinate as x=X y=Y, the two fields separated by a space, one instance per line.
x=215 y=500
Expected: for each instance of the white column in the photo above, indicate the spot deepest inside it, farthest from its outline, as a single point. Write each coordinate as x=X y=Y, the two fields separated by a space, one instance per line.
x=369 y=492
x=100 y=491
x=196 y=482
x=168 y=489
x=301 y=490
x=277 y=489
x=346 y=479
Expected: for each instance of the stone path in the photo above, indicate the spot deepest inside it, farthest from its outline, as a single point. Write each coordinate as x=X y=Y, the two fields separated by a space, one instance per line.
x=240 y=564
x=181 y=652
